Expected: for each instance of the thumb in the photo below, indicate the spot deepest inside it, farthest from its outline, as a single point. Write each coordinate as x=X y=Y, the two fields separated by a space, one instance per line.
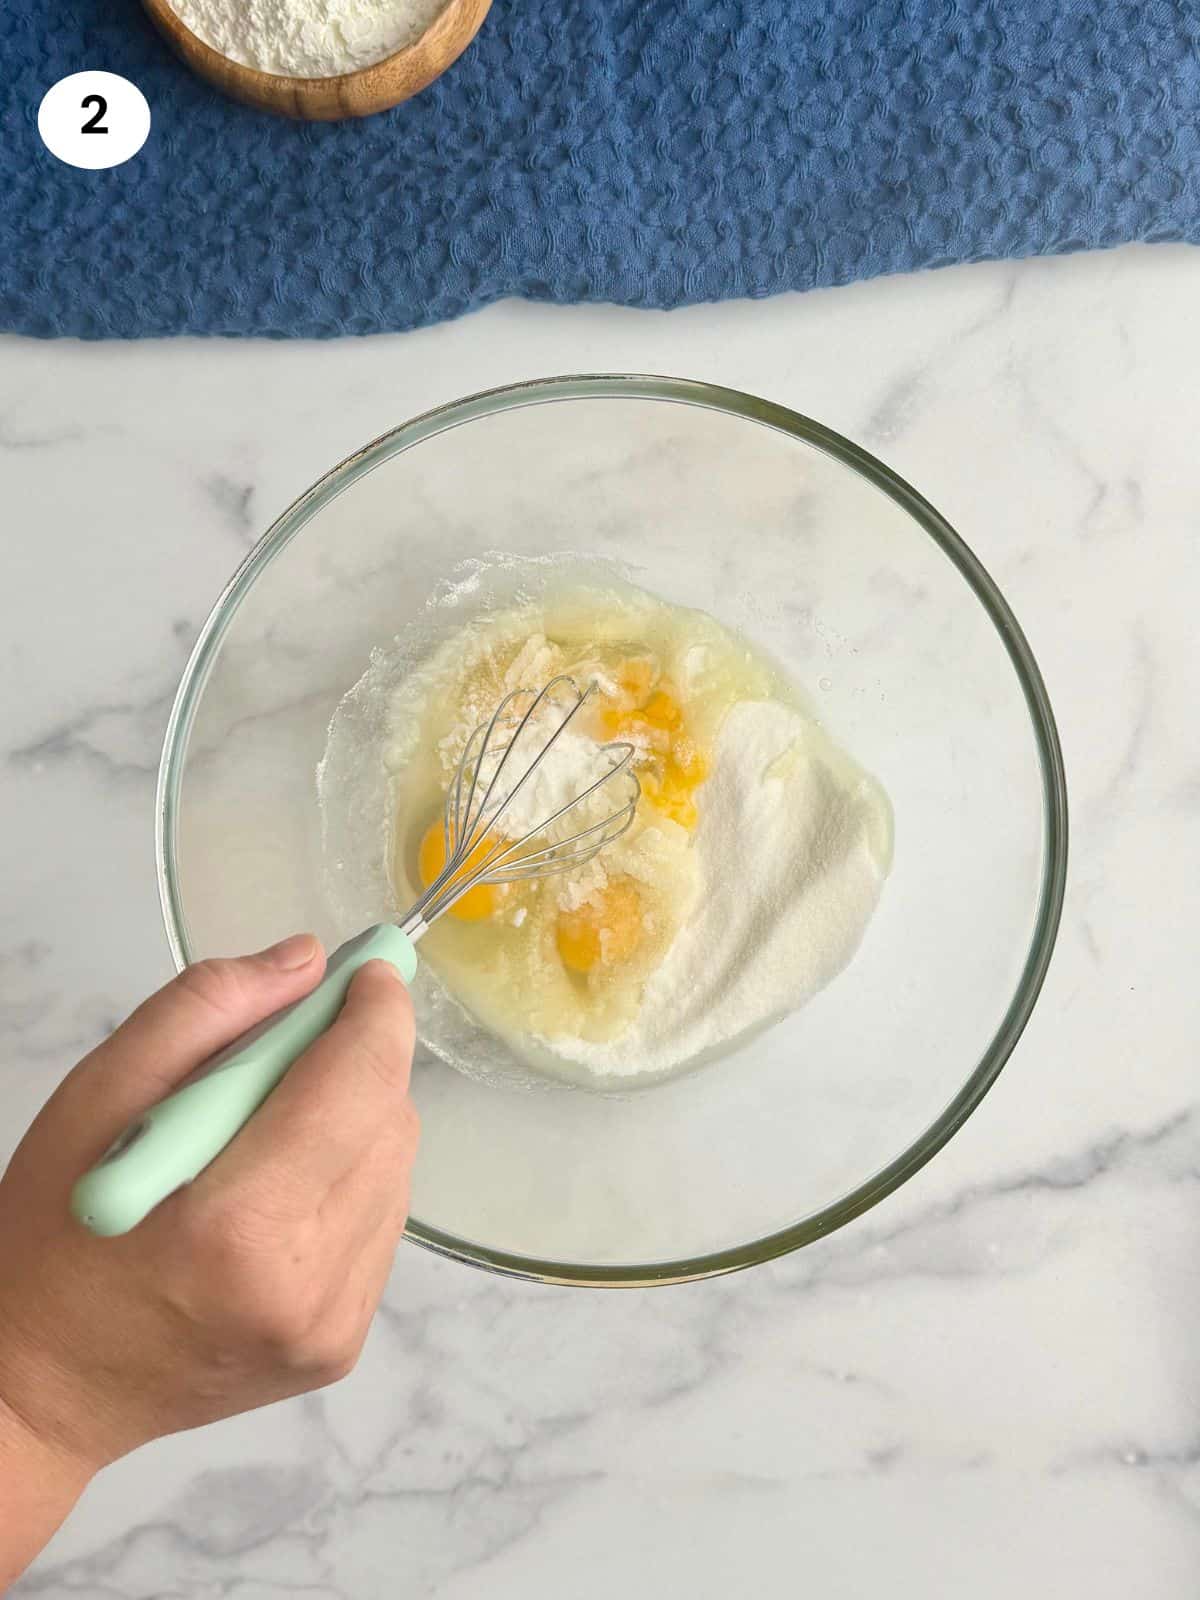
x=171 y=1034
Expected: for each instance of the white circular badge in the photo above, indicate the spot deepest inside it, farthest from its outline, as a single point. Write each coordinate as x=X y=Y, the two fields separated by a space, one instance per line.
x=94 y=119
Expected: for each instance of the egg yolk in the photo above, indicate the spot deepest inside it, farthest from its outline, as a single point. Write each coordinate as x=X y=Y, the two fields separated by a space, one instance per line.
x=636 y=726
x=671 y=794
x=661 y=711
x=602 y=932
x=688 y=762
x=671 y=767
x=478 y=903
x=636 y=677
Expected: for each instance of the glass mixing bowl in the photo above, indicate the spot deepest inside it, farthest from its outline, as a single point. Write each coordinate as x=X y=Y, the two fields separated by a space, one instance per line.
x=824 y=557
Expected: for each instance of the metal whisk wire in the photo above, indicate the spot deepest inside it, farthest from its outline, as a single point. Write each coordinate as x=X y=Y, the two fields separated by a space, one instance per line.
x=475 y=851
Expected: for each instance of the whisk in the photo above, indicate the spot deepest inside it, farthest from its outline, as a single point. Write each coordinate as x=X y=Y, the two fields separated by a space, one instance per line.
x=172 y=1142
x=498 y=761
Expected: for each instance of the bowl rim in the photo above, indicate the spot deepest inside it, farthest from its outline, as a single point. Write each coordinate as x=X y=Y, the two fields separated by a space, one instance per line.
x=780 y=418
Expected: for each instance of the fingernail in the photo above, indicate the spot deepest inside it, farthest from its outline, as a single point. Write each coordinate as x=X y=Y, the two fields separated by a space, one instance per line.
x=384 y=968
x=288 y=954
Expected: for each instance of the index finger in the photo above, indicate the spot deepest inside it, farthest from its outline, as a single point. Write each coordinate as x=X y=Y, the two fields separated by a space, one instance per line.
x=337 y=1099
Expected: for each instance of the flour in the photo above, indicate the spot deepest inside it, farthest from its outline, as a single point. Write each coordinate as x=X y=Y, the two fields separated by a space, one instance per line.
x=561 y=769
x=308 y=38
x=794 y=843
x=582 y=885
x=567 y=770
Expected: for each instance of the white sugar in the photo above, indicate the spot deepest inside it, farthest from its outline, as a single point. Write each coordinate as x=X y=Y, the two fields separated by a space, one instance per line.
x=794 y=843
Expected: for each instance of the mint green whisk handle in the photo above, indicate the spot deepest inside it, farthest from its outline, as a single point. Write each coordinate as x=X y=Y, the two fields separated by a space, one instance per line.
x=176 y=1139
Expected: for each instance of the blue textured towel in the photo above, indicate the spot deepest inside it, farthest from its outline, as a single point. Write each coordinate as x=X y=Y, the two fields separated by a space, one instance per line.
x=652 y=153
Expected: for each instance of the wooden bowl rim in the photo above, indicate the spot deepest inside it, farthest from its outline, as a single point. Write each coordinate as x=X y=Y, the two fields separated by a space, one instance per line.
x=171 y=22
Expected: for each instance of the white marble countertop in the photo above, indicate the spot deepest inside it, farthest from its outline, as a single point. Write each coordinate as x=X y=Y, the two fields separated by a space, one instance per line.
x=986 y=1386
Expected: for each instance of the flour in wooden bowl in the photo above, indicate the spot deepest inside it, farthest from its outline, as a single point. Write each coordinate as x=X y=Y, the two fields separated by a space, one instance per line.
x=308 y=38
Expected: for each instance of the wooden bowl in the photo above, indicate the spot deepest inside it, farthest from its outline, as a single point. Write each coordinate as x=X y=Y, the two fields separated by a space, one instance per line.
x=354 y=94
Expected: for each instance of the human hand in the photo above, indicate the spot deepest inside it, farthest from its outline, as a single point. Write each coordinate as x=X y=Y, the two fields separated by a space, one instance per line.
x=258 y=1280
